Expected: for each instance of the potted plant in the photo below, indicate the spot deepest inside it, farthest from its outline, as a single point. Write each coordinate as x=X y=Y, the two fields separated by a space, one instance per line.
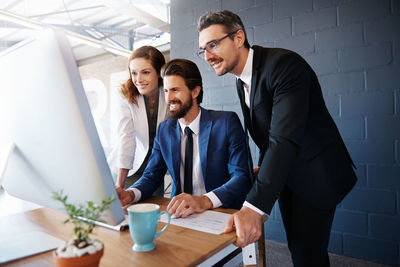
x=81 y=250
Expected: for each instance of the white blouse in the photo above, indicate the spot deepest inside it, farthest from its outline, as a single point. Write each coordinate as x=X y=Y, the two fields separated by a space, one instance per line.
x=133 y=131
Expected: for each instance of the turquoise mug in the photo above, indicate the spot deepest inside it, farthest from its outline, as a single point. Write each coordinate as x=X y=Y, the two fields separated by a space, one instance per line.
x=143 y=220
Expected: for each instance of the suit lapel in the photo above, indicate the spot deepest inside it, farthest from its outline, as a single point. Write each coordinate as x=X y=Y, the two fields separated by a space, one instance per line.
x=142 y=124
x=204 y=137
x=254 y=79
x=174 y=132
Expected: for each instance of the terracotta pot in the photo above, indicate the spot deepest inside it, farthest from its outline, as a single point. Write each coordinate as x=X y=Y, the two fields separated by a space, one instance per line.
x=89 y=260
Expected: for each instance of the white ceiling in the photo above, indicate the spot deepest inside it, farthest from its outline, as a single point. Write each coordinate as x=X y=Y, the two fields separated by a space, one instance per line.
x=96 y=26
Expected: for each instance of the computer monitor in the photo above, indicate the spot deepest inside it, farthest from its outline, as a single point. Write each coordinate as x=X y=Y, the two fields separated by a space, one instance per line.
x=44 y=112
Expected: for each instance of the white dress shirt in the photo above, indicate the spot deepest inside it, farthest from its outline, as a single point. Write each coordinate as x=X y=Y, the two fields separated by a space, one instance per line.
x=197 y=176
x=245 y=76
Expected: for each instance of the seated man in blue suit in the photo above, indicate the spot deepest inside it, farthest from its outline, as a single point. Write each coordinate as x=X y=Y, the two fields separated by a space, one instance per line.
x=216 y=172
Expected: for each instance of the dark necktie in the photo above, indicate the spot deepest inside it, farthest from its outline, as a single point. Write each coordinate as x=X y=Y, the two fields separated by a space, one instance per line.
x=246 y=113
x=188 y=183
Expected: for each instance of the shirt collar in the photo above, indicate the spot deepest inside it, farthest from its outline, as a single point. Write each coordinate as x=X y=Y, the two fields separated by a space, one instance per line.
x=248 y=68
x=194 y=125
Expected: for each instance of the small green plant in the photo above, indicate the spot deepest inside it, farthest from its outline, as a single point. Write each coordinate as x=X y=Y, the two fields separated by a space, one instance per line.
x=90 y=211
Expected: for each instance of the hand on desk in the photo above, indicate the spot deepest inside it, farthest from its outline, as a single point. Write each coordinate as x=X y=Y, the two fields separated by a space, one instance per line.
x=185 y=204
x=248 y=226
x=125 y=196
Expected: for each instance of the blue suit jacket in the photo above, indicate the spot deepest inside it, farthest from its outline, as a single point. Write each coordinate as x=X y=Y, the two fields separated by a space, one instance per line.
x=223 y=158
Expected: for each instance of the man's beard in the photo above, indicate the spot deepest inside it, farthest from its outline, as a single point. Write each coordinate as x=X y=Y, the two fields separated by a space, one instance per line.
x=180 y=113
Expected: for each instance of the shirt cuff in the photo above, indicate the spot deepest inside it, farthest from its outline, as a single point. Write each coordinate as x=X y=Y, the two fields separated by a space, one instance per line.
x=138 y=194
x=214 y=199
x=251 y=206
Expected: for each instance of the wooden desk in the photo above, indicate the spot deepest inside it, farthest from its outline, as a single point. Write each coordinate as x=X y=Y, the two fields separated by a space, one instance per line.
x=177 y=246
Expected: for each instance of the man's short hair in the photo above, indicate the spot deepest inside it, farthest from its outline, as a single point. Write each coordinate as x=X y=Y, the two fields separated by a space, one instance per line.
x=186 y=69
x=228 y=19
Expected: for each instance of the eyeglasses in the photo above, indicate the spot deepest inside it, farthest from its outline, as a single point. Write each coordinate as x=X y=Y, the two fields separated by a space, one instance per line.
x=212 y=46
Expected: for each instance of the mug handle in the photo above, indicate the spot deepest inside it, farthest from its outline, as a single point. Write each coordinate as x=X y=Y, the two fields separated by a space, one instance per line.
x=165 y=227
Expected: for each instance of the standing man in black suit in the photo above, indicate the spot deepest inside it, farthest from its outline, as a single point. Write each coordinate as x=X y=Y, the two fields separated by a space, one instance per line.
x=303 y=160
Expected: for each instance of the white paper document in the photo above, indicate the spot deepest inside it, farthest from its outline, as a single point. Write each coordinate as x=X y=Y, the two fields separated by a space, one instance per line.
x=209 y=221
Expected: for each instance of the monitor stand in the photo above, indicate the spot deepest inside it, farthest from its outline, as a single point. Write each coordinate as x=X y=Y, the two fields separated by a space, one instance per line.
x=5 y=151
x=26 y=244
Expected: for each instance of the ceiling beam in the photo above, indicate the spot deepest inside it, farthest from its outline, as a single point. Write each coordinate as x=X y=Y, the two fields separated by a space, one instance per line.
x=140 y=15
x=32 y=24
x=12 y=4
x=64 y=11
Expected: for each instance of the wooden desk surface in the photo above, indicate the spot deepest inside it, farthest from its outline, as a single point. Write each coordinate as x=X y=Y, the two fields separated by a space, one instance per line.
x=177 y=246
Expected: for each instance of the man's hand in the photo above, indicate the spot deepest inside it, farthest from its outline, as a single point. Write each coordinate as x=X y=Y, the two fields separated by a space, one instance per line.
x=125 y=196
x=248 y=226
x=184 y=204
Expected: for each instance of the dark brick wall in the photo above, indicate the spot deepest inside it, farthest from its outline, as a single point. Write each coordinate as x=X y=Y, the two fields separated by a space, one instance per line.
x=354 y=47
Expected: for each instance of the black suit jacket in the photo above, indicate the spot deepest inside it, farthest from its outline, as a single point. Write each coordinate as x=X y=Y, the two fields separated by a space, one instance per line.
x=299 y=142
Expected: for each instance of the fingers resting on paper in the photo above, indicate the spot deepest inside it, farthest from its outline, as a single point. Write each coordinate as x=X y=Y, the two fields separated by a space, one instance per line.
x=184 y=204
